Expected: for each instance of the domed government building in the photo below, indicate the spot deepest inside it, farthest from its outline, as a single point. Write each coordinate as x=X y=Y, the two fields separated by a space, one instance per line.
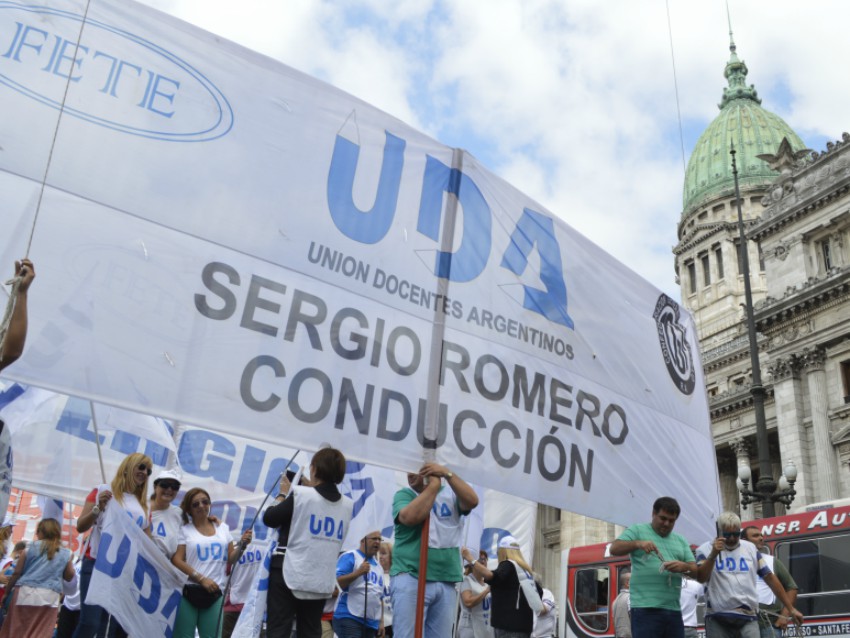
x=796 y=212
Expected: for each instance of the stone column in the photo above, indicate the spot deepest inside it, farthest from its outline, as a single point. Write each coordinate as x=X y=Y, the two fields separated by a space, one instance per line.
x=577 y=530
x=793 y=443
x=826 y=467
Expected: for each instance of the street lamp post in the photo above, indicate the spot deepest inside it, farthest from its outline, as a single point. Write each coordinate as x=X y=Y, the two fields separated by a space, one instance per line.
x=766 y=488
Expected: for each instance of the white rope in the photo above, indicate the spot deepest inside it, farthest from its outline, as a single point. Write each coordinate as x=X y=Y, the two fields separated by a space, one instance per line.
x=16 y=281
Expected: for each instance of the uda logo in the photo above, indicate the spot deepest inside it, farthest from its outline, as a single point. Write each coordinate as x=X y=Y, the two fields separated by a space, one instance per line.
x=674 y=344
x=119 y=80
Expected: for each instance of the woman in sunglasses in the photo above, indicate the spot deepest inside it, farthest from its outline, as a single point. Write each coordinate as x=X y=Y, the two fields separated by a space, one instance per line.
x=166 y=517
x=128 y=490
x=204 y=550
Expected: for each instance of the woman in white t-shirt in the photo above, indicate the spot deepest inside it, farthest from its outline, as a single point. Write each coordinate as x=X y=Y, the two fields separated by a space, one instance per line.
x=166 y=518
x=128 y=490
x=204 y=550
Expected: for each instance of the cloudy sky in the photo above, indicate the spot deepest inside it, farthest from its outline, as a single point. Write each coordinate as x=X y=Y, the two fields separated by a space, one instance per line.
x=572 y=101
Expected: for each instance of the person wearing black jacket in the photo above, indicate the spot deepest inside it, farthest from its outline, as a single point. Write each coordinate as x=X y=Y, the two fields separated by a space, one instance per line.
x=311 y=519
x=510 y=614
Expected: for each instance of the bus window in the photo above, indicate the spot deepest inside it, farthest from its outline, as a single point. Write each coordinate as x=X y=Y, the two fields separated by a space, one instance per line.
x=591 y=591
x=821 y=569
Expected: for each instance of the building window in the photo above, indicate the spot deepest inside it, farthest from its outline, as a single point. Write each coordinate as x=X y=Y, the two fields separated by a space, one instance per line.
x=740 y=256
x=718 y=259
x=761 y=259
x=826 y=255
x=692 y=277
x=845 y=379
x=706 y=270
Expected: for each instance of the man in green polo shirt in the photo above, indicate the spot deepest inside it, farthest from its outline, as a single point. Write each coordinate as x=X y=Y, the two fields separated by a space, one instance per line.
x=658 y=557
x=446 y=498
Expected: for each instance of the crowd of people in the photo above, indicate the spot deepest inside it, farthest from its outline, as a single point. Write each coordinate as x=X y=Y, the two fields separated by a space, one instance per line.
x=748 y=593
x=314 y=590
x=317 y=591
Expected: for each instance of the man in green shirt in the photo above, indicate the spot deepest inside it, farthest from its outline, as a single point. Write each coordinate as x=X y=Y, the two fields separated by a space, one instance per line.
x=658 y=558
x=773 y=617
x=446 y=504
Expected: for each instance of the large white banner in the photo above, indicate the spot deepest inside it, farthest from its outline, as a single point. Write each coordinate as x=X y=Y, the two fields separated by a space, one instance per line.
x=226 y=242
x=133 y=580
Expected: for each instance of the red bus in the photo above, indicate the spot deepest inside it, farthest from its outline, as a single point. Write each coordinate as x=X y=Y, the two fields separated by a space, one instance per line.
x=813 y=544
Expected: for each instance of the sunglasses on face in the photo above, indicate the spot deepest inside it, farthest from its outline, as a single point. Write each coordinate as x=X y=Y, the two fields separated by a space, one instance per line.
x=144 y=468
x=169 y=485
x=732 y=534
x=201 y=503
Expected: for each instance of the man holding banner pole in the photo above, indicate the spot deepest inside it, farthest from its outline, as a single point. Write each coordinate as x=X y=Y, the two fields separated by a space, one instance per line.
x=427 y=501
x=360 y=610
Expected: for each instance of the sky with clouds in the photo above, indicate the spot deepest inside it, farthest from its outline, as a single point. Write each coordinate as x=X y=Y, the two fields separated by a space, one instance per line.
x=572 y=101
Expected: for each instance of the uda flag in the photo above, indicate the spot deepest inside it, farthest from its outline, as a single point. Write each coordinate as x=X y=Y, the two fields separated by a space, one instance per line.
x=133 y=580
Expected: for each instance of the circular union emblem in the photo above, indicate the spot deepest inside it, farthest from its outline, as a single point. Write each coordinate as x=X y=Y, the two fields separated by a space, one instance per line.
x=674 y=344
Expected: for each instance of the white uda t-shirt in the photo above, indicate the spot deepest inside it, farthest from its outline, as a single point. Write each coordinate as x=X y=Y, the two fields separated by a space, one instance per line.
x=165 y=528
x=207 y=555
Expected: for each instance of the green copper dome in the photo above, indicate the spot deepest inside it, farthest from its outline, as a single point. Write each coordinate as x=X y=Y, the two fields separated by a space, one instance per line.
x=752 y=129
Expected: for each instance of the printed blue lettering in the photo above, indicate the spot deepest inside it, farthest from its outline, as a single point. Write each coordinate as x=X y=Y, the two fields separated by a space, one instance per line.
x=367 y=227
x=145 y=569
x=20 y=41
x=470 y=259
x=103 y=563
x=61 y=54
x=340 y=531
x=485 y=605
x=160 y=529
x=155 y=92
x=128 y=443
x=315 y=525
x=77 y=422
x=743 y=566
x=252 y=463
x=730 y=564
x=534 y=229
x=203 y=552
x=445 y=510
x=330 y=525
x=196 y=460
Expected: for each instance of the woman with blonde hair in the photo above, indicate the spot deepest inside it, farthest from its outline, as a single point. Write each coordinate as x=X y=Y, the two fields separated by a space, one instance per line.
x=510 y=614
x=36 y=585
x=129 y=490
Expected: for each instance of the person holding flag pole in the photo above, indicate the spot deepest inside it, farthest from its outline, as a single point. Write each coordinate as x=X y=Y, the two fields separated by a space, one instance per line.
x=428 y=533
x=312 y=520
x=359 y=612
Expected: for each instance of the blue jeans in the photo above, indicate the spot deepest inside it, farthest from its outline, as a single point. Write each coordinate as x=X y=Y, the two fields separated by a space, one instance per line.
x=350 y=628
x=440 y=606
x=716 y=628
x=650 y=622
